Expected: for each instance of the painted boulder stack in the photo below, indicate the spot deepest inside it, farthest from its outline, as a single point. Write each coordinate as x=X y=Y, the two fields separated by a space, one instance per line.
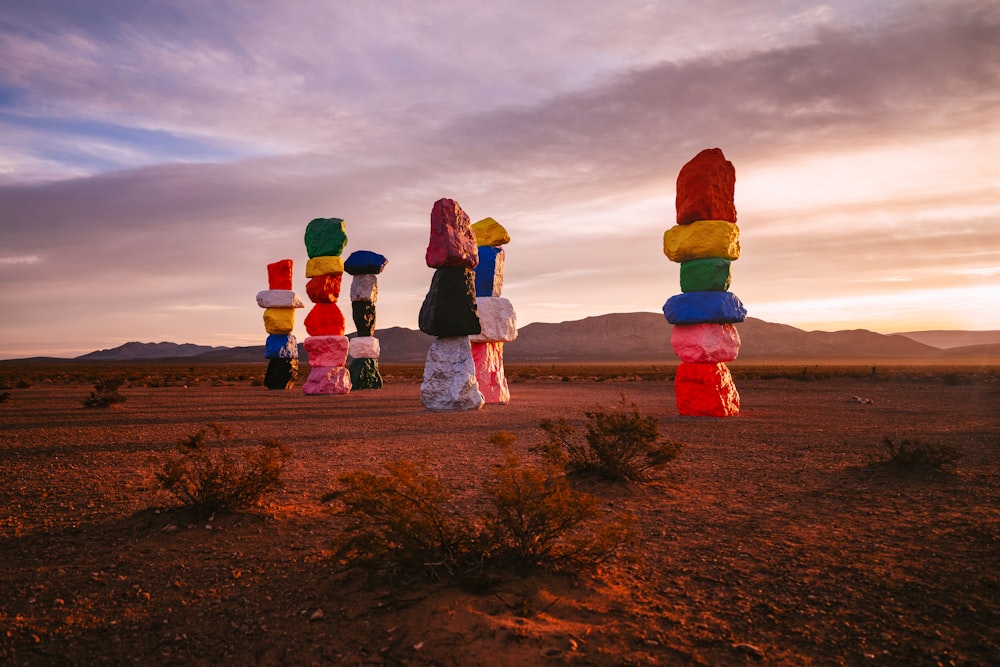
x=449 y=312
x=364 y=267
x=705 y=241
x=326 y=344
x=279 y=303
x=498 y=322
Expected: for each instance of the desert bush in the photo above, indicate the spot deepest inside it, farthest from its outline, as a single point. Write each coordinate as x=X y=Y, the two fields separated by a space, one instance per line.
x=4 y=396
x=209 y=479
x=916 y=454
x=619 y=444
x=105 y=394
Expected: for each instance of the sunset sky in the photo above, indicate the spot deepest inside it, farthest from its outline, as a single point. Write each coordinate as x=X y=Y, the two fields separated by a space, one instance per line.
x=155 y=156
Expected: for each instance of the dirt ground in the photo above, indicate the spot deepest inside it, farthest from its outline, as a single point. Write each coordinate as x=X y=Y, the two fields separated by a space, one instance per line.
x=772 y=539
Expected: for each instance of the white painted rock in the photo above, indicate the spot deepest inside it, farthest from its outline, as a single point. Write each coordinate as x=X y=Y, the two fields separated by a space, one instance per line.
x=279 y=298
x=450 y=376
x=364 y=347
x=364 y=287
x=705 y=343
x=327 y=380
x=489 y=372
x=327 y=350
x=496 y=318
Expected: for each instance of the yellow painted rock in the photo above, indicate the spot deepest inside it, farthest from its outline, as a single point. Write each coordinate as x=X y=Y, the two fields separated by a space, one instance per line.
x=317 y=266
x=700 y=239
x=279 y=320
x=490 y=232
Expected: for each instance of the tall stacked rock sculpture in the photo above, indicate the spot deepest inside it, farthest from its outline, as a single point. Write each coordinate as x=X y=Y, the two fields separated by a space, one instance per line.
x=364 y=267
x=326 y=345
x=705 y=241
x=449 y=312
x=279 y=303
x=496 y=314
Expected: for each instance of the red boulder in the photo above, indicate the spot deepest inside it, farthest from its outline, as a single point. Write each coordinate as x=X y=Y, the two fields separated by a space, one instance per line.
x=324 y=288
x=452 y=243
x=279 y=274
x=706 y=390
x=325 y=319
x=705 y=188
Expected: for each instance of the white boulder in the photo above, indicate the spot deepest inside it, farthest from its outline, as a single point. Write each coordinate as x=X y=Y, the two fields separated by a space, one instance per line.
x=450 y=376
x=497 y=320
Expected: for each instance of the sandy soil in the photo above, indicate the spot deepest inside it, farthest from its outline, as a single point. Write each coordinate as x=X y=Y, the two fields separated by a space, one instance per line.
x=771 y=540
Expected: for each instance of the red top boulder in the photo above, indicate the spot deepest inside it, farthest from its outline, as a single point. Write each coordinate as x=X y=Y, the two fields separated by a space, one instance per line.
x=453 y=243
x=705 y=188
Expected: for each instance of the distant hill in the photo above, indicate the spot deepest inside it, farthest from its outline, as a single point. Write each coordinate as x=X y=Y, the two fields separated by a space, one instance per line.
x=947 y=339
x=623 y=337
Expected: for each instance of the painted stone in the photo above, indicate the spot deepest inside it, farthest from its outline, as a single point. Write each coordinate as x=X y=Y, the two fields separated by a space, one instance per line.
x=488 y=358
x=325 y=380
x=325 y=236
x=362 y=262
x=449 y=309
x=489 y=232
x=497 y=320
x=317 y=266
x=281 y=346
x=452 y=242
x=364 y=287
x=364 y=347
x=489 y=271
x=279 y=274
x=281 y=373
x=703 y=238
x=701 y=307
x=279 y=320
x=705 y=343
x=706 y=390
x=711 y=274
x=705 y=188
x=325 y=319
x=279 y=298
x=326 y=350
x=450 y=376
x=324 y=288
x=363 y=313
x=365 y=374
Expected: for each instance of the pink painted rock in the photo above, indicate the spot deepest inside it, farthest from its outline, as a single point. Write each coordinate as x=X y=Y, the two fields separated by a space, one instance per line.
x=279 y=274
x=706 y=390
x=327 y=350
x=327 y=380
x=705 y=343
x=488 y=358
x=705 y=188
x=453 y=242
x=324 y=288
x=325 y=319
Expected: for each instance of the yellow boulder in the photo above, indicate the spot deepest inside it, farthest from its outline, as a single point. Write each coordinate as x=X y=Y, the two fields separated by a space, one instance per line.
x=279 y=320
x=318 y=266
x=490 y=232
x=700 y=239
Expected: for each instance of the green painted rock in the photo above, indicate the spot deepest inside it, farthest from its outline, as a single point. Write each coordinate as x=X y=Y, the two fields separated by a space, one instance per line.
x=365 y=375
x=325 y=237
x=711 y=274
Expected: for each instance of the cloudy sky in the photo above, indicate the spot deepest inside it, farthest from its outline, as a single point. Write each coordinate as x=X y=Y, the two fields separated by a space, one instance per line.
x=155 y=156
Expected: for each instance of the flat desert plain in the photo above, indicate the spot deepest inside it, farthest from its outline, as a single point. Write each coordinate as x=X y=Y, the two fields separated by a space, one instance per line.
x=775 y=538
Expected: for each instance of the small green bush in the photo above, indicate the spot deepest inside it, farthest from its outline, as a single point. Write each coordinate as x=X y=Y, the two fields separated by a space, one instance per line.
x=210 y=479
x=619 y=444
x=916 y=454
x=105 y=394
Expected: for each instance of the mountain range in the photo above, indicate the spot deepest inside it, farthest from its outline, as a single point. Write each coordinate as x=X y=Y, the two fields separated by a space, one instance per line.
x=630 y=337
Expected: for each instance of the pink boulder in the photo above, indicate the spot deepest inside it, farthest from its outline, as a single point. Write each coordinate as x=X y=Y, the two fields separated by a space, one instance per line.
x=705 y=188
x=327 y=350
x=488 y=358
x=706 y=390
x=325 y=319
x=705 y=343
x=453 y=243
x=327 y=380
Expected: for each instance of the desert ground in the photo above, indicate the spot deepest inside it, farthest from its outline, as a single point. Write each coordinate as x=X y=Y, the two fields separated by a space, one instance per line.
x=777 y=537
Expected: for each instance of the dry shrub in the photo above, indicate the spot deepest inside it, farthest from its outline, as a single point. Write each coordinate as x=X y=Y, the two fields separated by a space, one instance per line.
x=105 y=394
x=209 y=478
x=618 y=444
x=916 y=454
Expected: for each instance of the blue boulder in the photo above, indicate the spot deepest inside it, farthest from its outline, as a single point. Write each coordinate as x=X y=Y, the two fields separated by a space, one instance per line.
x=281 y=346
x=489 y=271
x=364 y=261
x=704 y=307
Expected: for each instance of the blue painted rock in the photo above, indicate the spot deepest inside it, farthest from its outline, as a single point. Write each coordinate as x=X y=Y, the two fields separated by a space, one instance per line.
x=705 y=343
x=488 y=358
x=701 y=307
x=449 y=309
x=361 y=262
x=452 y=241
x=325 y=237
x=363 y=313
x=281 y=346
x=705 y=188
x=326 y=350
x=489 y=271
x=706 y=390
x=497 y=320
x=327 y=380
x=364 y=287
x=281 y=373
x=365 y=374
x=710 y=274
